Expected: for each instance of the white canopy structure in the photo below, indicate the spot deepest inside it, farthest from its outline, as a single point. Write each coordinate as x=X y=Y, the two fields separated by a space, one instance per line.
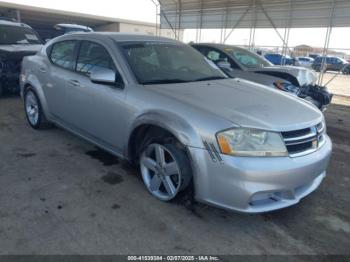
x=192 y=14
x=228 y=15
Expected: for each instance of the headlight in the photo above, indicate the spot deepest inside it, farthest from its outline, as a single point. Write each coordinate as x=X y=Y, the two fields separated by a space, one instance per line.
x=287 y=87
x=251 y=142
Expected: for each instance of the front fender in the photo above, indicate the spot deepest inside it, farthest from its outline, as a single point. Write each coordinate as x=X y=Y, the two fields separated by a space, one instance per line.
x=171 y=122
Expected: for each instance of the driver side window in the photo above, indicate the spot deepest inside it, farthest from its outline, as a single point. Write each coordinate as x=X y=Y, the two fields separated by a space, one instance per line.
x=91 y=56
x=216 y=56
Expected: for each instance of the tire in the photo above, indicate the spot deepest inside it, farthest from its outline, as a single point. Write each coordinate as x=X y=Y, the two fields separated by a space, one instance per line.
x=1 y=89
x=165 y=169
x=33 y=110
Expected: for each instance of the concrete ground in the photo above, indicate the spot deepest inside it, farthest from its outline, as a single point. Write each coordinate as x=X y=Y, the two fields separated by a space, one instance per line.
x=59 y=195
x=340 y=85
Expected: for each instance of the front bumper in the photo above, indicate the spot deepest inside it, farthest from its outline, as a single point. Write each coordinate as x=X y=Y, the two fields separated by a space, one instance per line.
x=257 y=184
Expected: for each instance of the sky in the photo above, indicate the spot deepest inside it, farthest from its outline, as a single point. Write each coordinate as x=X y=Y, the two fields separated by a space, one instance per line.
x=144 y=10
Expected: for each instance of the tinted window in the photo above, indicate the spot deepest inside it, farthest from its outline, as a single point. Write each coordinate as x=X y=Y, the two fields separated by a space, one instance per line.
x=17 y=35
x=62 y=54
x=92 y=55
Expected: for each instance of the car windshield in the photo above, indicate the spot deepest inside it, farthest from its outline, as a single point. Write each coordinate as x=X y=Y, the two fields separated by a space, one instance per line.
x=17 y=35
x=246 y=58
x=158 y=62
x=343 y=60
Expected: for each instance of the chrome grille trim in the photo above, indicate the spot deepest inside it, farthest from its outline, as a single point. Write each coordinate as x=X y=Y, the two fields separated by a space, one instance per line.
x=304 y=144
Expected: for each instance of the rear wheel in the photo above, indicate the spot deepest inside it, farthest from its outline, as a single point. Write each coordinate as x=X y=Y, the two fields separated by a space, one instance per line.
x=165 y=170
x=33 y=110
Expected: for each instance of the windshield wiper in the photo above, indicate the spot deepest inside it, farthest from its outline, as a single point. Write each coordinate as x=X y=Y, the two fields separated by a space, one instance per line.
x=165 y=81
x=209 y=78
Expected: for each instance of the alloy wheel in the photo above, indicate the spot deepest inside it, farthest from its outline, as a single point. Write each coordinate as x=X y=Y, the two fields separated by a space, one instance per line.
x=160 y=172
x=32 y=108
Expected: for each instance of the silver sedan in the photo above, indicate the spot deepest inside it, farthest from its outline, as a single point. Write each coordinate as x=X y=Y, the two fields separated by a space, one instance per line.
x=161 y=105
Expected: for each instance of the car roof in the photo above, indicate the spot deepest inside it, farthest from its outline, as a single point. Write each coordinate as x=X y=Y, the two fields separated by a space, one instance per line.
x=220 y=46
x=13 y=23
x=118 y=37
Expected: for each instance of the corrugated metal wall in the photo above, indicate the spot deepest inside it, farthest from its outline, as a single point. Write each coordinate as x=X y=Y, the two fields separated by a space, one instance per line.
x=191 y=14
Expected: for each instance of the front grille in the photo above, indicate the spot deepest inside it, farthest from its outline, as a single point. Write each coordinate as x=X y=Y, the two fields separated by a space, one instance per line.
x=296 y=133
x=304 y=141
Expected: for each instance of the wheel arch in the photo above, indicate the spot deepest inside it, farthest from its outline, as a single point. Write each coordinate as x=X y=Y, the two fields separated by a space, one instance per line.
x=166 y=122
x=33 y=82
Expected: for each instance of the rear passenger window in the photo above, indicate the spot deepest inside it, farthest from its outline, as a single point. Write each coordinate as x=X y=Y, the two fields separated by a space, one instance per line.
x=92 y=55
x=62 y=54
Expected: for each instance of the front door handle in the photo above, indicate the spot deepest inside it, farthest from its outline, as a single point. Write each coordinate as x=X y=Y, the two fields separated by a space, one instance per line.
x=42 y=69
x=74 y=82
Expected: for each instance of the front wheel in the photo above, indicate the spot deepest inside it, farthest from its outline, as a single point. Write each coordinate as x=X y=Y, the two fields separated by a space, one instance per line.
x=33 y=110
x=346 y=71
x=165 y=170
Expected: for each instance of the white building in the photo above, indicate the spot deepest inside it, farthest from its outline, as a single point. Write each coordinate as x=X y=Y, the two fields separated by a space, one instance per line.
x=43 y=20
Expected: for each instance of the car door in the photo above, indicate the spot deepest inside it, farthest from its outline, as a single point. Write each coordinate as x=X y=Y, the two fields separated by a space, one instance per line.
x=57 y=74
x=338 y=64
x=97 y=110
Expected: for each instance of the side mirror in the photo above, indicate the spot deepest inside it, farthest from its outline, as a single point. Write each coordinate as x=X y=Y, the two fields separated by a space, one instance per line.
x=103 y=76
x=225 y=66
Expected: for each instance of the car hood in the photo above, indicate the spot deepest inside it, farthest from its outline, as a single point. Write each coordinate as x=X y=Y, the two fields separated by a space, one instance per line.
x=303 y=75
x=18 y=51
x=263 y=79
x=244 y=103
x=21 y=48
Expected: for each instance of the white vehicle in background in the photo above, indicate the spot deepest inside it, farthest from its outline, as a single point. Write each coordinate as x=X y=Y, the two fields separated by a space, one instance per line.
x=72 y=28
x=304 y=61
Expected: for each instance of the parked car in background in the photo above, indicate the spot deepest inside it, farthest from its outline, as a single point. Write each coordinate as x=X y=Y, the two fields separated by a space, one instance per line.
x=242 y=63
x=304 y=61
x=160 y=104
x=332 y=63
x=16 y=41
x=277 y=59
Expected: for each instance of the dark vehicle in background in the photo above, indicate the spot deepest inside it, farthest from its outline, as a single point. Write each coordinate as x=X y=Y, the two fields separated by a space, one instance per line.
x=332 y=63
x=16 y=41
x=238 y=62
x=277 y=59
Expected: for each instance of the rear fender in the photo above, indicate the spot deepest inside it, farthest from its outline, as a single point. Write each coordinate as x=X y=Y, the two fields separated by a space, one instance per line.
x=33 y=82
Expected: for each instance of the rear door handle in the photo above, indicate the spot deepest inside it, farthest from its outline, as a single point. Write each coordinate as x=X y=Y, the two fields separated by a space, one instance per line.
x=42 y=69
x=74 y=82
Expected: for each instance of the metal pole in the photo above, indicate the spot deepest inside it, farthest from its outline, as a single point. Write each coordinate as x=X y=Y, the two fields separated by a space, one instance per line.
x=18 y=15
x=326 y=44
x=271 y=22
x=157 y=6
x=286 y=33
x=179 y=20
x=238 y=22
x=168 y=22
x=200 y=22
x=252 y=29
